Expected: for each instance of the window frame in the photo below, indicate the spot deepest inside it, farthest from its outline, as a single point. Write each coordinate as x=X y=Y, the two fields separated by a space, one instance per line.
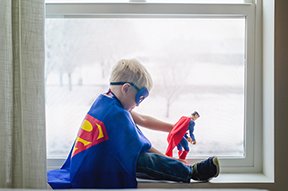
x=252 y=162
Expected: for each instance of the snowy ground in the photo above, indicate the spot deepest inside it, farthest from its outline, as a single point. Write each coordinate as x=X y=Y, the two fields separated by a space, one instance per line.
x=219 y=130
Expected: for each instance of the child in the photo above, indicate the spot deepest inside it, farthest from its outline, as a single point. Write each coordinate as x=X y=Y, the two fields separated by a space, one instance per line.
x=110 y=148
x=179 y=137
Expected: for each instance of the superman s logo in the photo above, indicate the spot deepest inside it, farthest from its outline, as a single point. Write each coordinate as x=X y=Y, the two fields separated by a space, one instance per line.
x=92 y=132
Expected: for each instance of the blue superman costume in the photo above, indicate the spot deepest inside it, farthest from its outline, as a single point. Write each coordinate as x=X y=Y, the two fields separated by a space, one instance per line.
x=99 y=157
x=176 y=134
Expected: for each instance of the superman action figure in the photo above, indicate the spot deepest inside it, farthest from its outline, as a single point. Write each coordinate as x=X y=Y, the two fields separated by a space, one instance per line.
x=178 y=136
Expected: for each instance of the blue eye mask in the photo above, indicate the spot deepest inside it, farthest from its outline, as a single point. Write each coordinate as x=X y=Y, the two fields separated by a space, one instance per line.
x=141 y=93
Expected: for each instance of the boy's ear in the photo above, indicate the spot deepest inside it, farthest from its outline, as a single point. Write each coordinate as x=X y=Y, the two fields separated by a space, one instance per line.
x=125 y=88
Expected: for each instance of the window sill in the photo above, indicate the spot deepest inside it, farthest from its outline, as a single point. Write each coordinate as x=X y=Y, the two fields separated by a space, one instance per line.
x=224 y=178
x=242 y=178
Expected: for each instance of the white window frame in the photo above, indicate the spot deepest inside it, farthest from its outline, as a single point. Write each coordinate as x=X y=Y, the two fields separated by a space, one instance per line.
x=252 y=162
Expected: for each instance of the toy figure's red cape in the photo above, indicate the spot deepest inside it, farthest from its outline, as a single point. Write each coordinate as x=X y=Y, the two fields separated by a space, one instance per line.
x=176 y=134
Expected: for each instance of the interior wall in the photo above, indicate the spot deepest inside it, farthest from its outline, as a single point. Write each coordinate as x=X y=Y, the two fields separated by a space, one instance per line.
x=281 y=94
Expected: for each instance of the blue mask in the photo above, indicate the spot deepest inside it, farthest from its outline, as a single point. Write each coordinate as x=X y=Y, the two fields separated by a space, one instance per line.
x=141 y=93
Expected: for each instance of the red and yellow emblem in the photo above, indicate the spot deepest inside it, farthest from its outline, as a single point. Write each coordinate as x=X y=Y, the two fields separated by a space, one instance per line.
x=92 y=132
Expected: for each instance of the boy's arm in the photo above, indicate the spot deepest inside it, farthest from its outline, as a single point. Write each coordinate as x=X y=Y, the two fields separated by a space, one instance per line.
x=151 y=122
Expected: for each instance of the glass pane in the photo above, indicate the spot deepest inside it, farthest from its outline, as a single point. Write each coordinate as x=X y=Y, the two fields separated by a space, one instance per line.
x=197 y=64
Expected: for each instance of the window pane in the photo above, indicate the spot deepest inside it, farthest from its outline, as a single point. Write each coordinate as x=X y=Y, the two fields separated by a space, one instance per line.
x=197 y=64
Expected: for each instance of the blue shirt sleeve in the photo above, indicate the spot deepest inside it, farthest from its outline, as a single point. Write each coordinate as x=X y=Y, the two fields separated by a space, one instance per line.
x=191 y=130
x=186 y=136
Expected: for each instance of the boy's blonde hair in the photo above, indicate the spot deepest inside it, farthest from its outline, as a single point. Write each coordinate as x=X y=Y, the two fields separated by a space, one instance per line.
x=130 y=70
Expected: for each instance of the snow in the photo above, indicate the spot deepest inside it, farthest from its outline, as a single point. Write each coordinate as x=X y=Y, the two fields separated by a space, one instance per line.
x=219 y=130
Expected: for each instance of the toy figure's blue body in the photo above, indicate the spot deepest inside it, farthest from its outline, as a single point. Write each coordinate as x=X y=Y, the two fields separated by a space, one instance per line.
x=184 y=143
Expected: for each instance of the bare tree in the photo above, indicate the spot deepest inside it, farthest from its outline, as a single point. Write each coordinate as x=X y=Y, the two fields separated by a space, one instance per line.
x=173 y=66
x=172 y=85
x=111 y=40
x=62 y=49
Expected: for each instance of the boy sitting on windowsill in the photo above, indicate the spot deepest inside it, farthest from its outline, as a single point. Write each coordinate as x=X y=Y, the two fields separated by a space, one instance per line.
x=110 y=148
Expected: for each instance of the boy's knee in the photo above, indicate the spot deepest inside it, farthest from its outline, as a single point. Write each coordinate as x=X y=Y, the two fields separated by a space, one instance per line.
x=145 y=158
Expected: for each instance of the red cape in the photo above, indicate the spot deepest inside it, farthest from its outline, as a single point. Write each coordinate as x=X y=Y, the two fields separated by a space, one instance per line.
x=176 y=134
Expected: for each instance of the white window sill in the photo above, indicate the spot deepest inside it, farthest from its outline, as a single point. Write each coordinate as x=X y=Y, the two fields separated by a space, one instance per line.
x=242 y=178
x=224 y=178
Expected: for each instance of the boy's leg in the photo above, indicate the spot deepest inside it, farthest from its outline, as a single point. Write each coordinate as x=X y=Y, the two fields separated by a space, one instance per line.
x=157 y=167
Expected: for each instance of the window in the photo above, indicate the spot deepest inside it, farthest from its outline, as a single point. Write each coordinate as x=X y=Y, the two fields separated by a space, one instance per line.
x=201 y=57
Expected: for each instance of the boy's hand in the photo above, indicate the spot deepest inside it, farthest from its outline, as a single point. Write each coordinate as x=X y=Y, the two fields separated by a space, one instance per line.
x=193 y=142
x=189 y=139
